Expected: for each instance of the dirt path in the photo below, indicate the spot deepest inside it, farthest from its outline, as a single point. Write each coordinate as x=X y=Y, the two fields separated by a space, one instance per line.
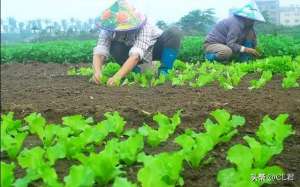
x=46 y=88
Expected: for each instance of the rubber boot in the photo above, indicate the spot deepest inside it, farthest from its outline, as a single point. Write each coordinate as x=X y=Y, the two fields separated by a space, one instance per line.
x=167 y=60
x=137 y=69
x=211 y=57
x=244 y=57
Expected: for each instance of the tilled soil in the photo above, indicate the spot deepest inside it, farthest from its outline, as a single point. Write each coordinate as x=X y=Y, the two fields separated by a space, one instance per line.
x=46 y=88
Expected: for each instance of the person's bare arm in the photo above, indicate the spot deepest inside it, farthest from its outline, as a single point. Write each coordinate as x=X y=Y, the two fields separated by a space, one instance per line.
x=98 y=61
x=252 y=52
x=127 y=67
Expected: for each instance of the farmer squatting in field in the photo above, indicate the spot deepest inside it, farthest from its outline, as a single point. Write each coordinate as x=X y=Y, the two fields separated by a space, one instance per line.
x=234 y=36
x=128 y=37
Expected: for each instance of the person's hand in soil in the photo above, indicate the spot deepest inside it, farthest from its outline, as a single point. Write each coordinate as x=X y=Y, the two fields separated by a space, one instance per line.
x=98 y=61
x=127 y=67
x=97 y=77
x=253 y=52
x=113 y=81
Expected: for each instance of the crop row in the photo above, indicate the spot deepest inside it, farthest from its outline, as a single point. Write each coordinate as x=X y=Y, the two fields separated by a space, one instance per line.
x=201 y=74
x=251 y=162
x=80 y=139
x=81 y=51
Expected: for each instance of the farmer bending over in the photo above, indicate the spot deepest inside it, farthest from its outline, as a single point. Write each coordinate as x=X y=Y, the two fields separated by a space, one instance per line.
x=234 y=36
x=127 y=36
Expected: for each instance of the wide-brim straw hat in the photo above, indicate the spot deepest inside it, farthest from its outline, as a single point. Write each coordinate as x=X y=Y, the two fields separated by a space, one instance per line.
x=250 y=11
x=121 y=16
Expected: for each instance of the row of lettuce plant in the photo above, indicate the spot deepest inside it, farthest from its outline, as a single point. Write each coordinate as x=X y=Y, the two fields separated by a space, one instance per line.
x=200 y=75
x=251 y=161
x=195 y=146
x=80 y=139
x=73 y=140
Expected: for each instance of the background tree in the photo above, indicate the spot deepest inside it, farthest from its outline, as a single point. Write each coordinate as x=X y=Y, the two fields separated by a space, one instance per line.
x=268 y=26
x=4 y=26
x=267 y=16
x=35 y=27
x=39 y=24
x=78 y=26
x=162 y=25
x=21 y=27
x=12 y=24
x=64 y=24
x=71 y=29
x=197 y=21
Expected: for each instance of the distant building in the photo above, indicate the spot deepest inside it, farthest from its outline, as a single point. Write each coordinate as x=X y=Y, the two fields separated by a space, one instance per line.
x=290 y=16
x=271 y=9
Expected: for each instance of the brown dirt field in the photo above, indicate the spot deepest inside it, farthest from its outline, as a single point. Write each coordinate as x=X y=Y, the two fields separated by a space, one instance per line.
x=46 y=88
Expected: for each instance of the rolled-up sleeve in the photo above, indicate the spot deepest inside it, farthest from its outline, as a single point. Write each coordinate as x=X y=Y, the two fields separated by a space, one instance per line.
x=103 y=44
x=232 y=39
x=143 y=42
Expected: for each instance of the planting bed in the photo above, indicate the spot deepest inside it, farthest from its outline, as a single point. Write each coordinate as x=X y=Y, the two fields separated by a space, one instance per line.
x=46 y=88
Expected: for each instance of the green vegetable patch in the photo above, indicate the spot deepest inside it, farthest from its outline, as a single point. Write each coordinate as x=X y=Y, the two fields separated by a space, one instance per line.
x=101 y=151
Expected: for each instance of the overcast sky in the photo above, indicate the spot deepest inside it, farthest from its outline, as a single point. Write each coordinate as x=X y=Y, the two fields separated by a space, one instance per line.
x=168 y=10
